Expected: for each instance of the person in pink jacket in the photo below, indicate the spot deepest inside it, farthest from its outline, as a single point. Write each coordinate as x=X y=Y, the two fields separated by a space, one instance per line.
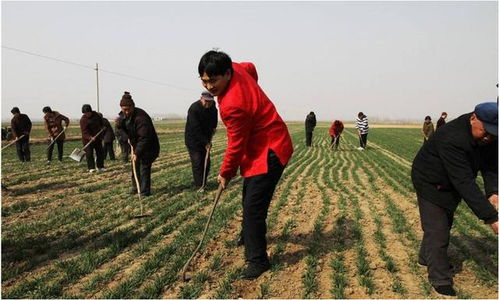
x=258 y=144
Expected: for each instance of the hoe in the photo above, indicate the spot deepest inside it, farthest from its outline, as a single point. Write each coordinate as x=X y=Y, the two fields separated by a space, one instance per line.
x=137 y=184
x=78 y=154
x=204 y=171
x=13 y=142
x=184 y=269
x=55 y=139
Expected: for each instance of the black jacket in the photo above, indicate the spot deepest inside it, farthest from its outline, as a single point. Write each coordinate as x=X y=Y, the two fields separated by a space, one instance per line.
x=440 y=123
x=142 y=135
x=108 y=134
x=310 y=122
x=20 y=124
x=120 y=133
x=445 y=169
x=201 y=122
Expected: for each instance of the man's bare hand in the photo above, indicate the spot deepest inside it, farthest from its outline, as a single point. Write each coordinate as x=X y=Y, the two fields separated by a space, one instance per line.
x=493 y=200
x=224 y=182
x=494 y=227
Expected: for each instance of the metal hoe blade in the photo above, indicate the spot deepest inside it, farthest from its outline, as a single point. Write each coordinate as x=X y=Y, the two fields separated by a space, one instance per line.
x=77 y=155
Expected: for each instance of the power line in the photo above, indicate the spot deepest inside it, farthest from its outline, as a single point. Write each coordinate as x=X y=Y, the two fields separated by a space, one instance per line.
x=93 y=68
x=48 y=57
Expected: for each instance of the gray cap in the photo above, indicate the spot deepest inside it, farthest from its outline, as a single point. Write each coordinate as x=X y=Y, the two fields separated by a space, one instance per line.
x=207 y=96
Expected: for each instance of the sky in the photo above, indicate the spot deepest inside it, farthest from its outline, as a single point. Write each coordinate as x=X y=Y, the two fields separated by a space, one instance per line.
x=391 y=60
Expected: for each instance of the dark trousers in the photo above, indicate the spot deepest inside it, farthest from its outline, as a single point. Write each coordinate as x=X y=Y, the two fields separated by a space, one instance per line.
x=60 y=147
x=197 y=160
x=436 y=223
x=125 y=151
x=336 y=144
x=108 y=148
x=308 y=138
x=363 y=140
x=143 y=175
x=257 y=193
x=22 y=148
x=99 y=153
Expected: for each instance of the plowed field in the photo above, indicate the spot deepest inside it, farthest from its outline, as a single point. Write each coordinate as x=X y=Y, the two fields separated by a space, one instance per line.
x=342 y=224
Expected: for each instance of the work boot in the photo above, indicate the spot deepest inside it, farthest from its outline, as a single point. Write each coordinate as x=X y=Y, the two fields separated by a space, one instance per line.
x=254 y=270
x=446 y=290
x=48 y=162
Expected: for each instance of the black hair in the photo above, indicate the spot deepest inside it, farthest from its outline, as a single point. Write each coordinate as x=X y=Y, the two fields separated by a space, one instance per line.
x=86 y=108
x=427 y=118
x=47 y=109
x=214 y=63
x=361 y=115
x=15 y=110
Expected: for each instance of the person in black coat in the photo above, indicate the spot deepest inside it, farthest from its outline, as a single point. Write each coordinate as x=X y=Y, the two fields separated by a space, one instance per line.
x=122 y=138
x=444 y=172
x=137 y=124
x=108 y=139
x=310 y=123
x=91 y=125
x=202 y=119
x=441 y=120
x=21 y=125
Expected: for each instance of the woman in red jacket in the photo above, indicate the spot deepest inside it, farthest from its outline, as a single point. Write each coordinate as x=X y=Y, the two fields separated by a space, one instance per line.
x=335 y=132
x=258 y=143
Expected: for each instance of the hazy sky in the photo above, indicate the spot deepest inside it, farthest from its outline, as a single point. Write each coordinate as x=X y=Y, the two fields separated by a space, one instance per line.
x=398 y=60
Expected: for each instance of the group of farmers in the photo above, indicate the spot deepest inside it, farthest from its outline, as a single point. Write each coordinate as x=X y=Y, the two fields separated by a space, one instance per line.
x=133 y=128
x=336 y=129
x=259 y=145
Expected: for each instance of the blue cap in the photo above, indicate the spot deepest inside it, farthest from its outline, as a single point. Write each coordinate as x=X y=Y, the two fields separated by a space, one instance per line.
x=487 y=113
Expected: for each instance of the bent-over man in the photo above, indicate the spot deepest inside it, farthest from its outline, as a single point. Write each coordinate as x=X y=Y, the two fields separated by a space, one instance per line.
x=335 y=132
x=258 y=143
x=139 y=128
x=444 y=172
x=108 y=139
x=91 y=126
x=53 y=124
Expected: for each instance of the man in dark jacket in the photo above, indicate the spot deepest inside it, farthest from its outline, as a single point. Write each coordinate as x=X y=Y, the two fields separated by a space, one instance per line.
x=53 y=124
x=310 y=123
x=108 y=139
x=21 y=125
x=441 y=120
x=91 y=125
x=201 y=124
x=145 y=143
x=443 y=172
x=122 y=138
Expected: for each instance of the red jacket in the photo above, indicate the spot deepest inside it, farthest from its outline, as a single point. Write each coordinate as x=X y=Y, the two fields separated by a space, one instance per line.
x=334 y=130
x=253 y=126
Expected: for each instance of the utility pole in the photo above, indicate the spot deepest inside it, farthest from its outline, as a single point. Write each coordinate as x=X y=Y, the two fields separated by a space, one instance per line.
x=97 y=72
